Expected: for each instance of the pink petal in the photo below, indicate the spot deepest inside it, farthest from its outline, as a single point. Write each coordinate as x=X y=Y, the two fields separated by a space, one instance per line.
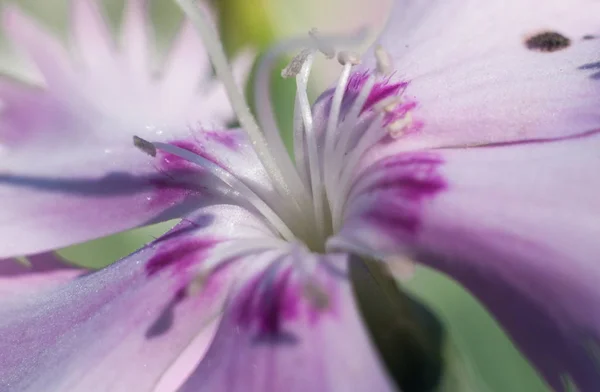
x=273 y=338
x=45 y=271
x=121 y=328
x=476 y=82
x=518 y=225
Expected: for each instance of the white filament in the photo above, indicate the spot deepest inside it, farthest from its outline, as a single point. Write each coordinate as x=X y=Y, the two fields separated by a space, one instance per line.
x=234 y=183
x=311 y=143
x=372 y=135
x=332 y=124
x=352 y=117
x=238 y=102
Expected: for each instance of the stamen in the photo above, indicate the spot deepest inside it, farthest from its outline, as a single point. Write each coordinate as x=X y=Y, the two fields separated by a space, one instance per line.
x=352 y=117
x=144 y=145
x=295 y=65
x=371 y=136
x=238 y=102
x=388 y=104
x=265 y=109
x=385 y=65
x=397 y=128
x=233 y=182
x=322 y=45
x=347 y=59
x=299 y=142
x=311 y=141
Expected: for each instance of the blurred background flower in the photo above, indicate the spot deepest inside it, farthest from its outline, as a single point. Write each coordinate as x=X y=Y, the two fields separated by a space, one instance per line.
x=479 y=356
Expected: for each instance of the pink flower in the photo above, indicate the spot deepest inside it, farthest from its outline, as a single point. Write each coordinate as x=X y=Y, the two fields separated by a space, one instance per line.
x=469 y=144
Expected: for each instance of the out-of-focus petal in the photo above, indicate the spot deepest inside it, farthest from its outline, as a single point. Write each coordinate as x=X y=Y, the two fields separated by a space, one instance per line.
x=120 y=328
x=274 y=336
x=476 y=81
x=517 y=225
x=44 y=270
x=100 y=91
x=68 y=169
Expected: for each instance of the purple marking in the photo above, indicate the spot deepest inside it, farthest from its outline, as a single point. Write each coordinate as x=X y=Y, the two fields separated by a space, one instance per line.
x=270 y=299
x=405 y=182
x=381 y=90
x=179 y=254
x=225 y=138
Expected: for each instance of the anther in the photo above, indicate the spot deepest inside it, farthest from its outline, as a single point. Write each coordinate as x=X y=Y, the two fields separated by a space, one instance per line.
x=315 y=293
x=347 y=57
x=322 y=46
x=385 y=64
x=396 y=129
x=388 y=104
x=145 y=146
x=295 y=65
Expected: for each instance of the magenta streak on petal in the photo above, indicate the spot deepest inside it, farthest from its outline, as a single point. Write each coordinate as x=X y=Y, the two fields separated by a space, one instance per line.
x=380 y=90
x=179 y=254
x=406 y=182
x=180 y=176
x=269 y=300
x=227 y=139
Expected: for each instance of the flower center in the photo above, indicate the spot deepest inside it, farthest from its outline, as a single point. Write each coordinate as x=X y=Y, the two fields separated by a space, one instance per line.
x=312 y=187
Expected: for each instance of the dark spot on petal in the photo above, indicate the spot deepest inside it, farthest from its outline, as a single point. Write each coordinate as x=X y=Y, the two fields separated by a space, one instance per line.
x=588 y=37
x=165 y=320
x=595 y=65
x=591 y=66
x=547 y=41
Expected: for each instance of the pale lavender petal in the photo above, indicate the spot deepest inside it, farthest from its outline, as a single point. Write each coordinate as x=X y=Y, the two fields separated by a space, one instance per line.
x=518 y=225
x=97 y=190
x=68 y=169
x=274 y=336
x=476 y=79
x=120 y=328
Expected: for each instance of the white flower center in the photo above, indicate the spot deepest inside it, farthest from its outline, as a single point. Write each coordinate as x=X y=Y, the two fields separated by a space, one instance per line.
x=315 y=184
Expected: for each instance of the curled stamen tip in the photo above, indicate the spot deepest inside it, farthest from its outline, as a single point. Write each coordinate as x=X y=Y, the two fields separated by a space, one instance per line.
x=322 y=45
x=396 y=129
x=144 y=145
x=316 y=295
x=348 y=57
x=295 y=65
x=385 y=65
